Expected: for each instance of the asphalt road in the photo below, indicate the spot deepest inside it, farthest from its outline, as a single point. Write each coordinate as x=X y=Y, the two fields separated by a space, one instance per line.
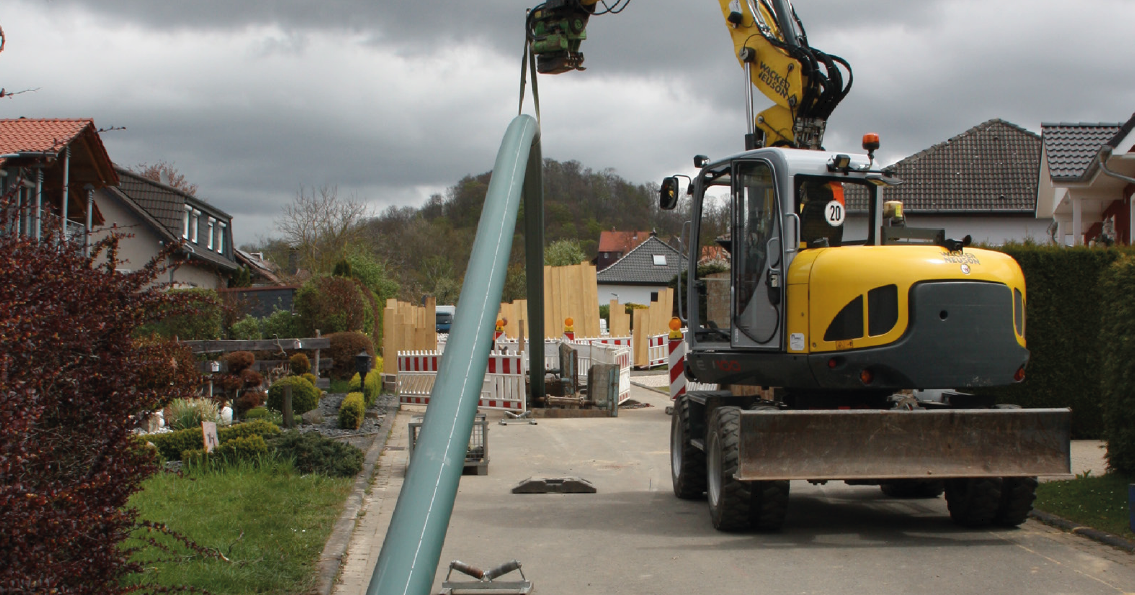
x=634 y=536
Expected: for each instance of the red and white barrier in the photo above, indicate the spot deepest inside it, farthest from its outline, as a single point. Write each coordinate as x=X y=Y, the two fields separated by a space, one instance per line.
x=620 y=356
x=502 y=387
x=658 y=353
x=677 y=368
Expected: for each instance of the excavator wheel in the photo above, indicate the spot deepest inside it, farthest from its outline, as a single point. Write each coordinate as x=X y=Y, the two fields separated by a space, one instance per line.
x=729 y=498
x=1017 y=495
x=687 y=463
x=973 y=501
x=913 y=488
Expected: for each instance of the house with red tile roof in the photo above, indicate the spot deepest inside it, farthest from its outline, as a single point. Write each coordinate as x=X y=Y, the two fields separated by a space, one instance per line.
x=614 y=245
x=1086 y=193
x=49 y=172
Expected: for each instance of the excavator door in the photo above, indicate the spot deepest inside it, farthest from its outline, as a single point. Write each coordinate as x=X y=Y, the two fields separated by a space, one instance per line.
x=758 y=267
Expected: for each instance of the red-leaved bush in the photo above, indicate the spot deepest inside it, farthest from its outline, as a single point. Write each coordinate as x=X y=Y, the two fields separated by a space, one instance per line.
x=73 y=383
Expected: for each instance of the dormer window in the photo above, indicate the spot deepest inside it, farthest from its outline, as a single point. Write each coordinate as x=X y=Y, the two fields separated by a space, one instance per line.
x=221 y=238
x=212 y=224
x=185 y=228
x=196 y=224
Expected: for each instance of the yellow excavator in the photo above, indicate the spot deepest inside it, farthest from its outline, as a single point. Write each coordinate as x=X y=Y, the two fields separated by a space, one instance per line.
x=846 y=338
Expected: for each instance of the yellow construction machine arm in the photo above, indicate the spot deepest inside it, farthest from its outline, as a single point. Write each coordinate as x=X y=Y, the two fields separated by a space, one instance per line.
x=804 y=83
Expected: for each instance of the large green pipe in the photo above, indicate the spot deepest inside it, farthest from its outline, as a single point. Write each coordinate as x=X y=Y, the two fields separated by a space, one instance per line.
x=412 y=548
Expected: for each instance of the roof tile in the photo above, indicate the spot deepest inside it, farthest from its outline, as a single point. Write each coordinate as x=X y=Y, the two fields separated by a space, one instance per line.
x=637 y=266
x=1070 y=147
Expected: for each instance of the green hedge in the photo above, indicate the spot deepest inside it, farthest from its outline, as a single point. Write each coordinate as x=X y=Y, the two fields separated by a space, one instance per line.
x=172 y=444
x=314 y=453
x=351 y=411
x=1117 y=346
x=1064 y=306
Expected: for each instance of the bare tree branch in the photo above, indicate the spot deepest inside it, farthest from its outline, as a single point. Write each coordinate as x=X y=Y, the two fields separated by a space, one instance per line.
x=321 y=226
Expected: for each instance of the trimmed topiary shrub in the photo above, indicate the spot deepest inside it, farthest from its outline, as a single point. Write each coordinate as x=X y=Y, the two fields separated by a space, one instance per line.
x=351 y=411
x=172 y=444
x=299 y=364
x=249 y=400
x=354 y=385
x=245 y=329
x=251 y=378
x=246 y=448
x=373 y=386
x=344 y=347
x=238 y=361
x=1117 y=352
x=256 y=413
x=314 y=453
x=305 y=396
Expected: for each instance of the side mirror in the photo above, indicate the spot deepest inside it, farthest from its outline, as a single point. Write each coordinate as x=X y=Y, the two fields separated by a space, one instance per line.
x=668 y=194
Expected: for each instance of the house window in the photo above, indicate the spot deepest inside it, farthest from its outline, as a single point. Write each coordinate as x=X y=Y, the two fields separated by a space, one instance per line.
x=221 y=238
x=212 y=223
x=196 y=223
x=659 y=260
x=185 y=229
x=654 y=296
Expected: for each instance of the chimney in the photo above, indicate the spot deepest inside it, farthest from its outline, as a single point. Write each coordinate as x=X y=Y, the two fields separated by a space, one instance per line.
x=163 y=176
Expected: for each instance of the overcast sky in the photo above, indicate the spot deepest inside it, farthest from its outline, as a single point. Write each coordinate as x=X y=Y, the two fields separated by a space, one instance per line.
x=394 y=100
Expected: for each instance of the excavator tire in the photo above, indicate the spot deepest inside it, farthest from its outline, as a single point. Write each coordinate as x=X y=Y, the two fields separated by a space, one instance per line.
x=973 y=501
x=687 y=463
x=913 y=488
x=769 y=504
x=1017 y=495
x=729 y=498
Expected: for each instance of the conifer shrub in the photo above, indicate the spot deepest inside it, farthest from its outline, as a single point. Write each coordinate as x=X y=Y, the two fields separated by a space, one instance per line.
x=373 y=385
x=351 y=411
x=1117 y=352
x=299 y=364
x=354 y=385
x=249 y=400
x=305 y=396
x=313 y=453
x=238 y=361
x=245 y=448
x=172 y=444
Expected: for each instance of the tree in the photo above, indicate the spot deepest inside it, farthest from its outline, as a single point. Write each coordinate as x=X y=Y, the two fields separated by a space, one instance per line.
x=321 y=226
x=175 y=178
x=564 y=253
x=74 y=380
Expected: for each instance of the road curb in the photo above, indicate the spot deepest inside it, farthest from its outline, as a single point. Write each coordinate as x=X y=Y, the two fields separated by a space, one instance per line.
x=1078 y=529
x=331 y=560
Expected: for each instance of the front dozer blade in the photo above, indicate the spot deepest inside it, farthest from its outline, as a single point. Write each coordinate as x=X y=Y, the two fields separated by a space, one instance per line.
x=904 y=444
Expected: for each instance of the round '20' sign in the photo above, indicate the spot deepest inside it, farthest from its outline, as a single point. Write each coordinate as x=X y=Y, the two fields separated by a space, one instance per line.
x=834 y=213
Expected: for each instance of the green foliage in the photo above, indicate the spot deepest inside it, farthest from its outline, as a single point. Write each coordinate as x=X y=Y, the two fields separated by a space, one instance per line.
x=280 y=324
x=340 y=386
x=1063 y=314
x=314 y=453
x=373 y=385
x=373 y=275
x=1117 y=353
x=334 y=305
x=564 y=253
x=351 y=411
x=605 y=313
x=342 y=269
x=354 y=385
x=300 y=365
x=182 y=414
x=242 y=278
x=246 y=448
x=204 y=322
x=245 y=329
x=305 y=396
x=260 y=412
x=344 y=347
x=172 y=444
x=249 y=400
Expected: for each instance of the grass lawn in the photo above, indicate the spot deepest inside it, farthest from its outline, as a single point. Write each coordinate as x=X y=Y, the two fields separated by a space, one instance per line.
x=1097 y=502
x=285 y=519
